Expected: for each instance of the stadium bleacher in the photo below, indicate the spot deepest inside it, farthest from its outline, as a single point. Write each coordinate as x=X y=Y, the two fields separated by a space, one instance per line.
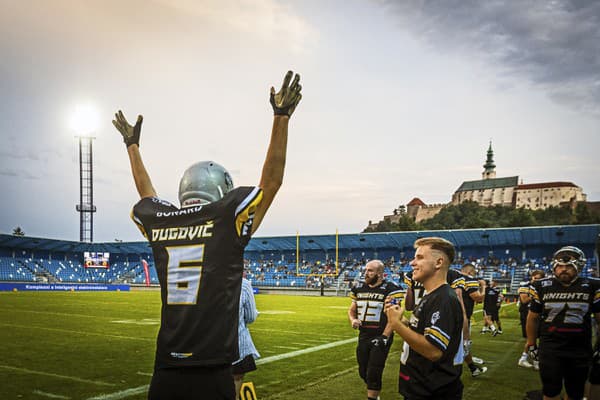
x=505 y=255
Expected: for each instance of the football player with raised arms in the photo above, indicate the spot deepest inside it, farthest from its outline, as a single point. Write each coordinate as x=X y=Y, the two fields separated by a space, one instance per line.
x=560 y=315
x=198 y=253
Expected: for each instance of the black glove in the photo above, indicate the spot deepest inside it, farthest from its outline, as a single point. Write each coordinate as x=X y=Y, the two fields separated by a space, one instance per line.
x=285 y=101
x=532 y=352
x=131 y=134
x=380 y=341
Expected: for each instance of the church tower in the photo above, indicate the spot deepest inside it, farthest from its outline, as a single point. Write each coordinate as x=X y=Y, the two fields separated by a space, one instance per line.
x=489 y=171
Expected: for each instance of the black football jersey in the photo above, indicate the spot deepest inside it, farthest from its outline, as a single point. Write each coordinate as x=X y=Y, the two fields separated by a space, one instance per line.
x=454 y=278
x=565 y=314
x=470 y=285
x=198 y=254
x=370 y=302
x=439 y=318
x=524 y=288
x=490 y=301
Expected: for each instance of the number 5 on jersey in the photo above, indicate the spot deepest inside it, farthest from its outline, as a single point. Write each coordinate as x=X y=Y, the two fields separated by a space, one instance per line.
x=184 y=272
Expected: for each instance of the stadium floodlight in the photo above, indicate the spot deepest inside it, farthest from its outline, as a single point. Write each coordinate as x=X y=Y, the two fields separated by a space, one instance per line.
x=84 y=122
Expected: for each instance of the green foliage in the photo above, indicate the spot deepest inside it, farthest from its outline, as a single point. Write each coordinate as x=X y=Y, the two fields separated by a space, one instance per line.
x=470 y=215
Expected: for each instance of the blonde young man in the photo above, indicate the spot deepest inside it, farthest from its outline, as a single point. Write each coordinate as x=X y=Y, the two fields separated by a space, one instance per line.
x=366 y=314
x=431 y=361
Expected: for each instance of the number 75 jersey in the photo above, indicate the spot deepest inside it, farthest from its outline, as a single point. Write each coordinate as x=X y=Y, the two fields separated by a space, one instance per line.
x=565 y=314
x=198 y=253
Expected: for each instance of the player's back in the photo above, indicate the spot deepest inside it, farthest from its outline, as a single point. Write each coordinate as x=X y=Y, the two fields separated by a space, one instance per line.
x=198 y=254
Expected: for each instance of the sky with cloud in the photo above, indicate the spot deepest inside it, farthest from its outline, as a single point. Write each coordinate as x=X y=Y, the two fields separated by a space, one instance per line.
x=400 y=100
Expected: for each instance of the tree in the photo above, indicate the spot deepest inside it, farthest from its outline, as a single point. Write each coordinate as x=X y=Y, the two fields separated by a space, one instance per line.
x=18 y=231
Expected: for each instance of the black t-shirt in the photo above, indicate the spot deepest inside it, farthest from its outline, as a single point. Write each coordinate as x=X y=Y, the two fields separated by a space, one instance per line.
x=369 y=302
x=565 y=314
x=471 y=285
x=439 y=318
x=455 y=279
x=198 y=254
x=490 y=301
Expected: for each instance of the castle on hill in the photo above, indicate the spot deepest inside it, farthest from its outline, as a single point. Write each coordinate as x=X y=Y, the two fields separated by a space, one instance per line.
x=490 y=191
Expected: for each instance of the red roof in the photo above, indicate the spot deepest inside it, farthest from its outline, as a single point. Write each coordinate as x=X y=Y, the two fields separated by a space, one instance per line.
x=546 y=185
x=416 y=202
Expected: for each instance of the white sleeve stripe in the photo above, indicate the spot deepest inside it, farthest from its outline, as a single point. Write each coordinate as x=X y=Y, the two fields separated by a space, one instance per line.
x=438 y=341
x=137 y=220
x=441 y=332
x=247 y=200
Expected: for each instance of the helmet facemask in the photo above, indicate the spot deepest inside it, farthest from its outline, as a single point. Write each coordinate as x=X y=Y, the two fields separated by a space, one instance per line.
x=570 y=256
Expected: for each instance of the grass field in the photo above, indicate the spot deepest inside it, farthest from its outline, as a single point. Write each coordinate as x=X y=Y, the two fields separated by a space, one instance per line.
x=101 y=345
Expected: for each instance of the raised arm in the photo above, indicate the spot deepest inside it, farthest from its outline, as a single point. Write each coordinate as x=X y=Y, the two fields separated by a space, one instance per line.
x=284 y=103
x=131 y=137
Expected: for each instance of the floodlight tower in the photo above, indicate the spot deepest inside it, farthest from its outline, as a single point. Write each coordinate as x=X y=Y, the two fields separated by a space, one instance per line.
x=86 y=207
x=85 y=120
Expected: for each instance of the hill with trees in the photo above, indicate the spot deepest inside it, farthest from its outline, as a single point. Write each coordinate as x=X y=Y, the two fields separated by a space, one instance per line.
x=470 y=215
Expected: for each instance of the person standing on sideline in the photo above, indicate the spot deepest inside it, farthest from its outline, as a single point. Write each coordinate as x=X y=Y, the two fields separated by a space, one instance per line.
x=560 y=315
x=248 y=353
x=524 y=300
x=457 y=281
x=366 y=315
x=490 y=307
x=472 y=292
x=198 y=253
x=432 y=357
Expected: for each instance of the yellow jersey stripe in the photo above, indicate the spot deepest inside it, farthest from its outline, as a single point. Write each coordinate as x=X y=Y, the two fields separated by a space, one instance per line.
x=437 y=335
x=247 y=208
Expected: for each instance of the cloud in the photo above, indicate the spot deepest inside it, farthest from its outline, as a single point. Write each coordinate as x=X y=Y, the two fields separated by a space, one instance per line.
x=554 y=45
x=268 y=19
x=13 y=173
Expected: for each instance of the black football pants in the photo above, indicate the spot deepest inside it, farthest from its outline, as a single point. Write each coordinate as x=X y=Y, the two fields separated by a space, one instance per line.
x=371 y=361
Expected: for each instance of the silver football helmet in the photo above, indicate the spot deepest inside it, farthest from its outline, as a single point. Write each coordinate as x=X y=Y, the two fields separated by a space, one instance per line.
x=569 y=255
x=203 y=183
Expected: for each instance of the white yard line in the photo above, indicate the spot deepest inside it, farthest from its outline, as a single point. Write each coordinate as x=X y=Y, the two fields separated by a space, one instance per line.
x=122 y=394
x=309 y=384
x=20 y=311
x=78 y=332
x=142 y=389
x=50 y=395
x=297 y=353
x=288 y=347
x=70 y=378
